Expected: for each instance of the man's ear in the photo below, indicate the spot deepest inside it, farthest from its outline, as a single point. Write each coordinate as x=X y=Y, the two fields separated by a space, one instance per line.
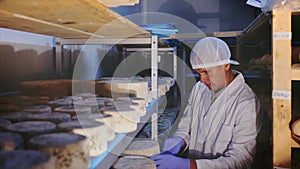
x=227 y=66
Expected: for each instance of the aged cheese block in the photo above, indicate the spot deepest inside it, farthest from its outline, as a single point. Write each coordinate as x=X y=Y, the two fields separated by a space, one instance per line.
x=126 y=118
x=104 y=118
x=134 y=162
x=10 y=141
x=4 y=123
x=52 y=117
x=29 y=129
x=26 y=159
x=141 y=107
x=70 y=151
x=51 y=88
x=38 y=109
x=15 y=117
x=96 y=132
x=94 y=105
x=73 y=110
x=142 y=147
x=122 y=88
x=296 y=127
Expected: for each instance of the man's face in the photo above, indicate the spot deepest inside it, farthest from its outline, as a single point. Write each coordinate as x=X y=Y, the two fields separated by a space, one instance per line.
x=214 y=77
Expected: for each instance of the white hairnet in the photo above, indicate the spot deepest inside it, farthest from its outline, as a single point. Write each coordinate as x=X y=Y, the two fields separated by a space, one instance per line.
x=210 y=52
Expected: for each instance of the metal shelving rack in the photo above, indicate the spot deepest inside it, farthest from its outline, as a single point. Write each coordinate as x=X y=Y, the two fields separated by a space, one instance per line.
x=118 y=145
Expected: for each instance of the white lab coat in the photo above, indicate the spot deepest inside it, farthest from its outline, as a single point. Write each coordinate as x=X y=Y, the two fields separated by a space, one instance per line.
x=221 y=134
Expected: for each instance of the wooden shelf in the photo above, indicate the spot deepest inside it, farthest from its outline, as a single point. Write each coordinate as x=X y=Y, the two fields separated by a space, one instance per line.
x=68 y=19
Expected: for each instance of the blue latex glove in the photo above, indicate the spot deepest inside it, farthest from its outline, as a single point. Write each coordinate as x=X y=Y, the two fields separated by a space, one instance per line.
x=173 y=145
x=169 y=161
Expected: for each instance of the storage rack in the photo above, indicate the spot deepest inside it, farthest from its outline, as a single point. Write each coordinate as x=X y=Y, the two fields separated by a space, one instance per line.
x=283 y=75
x=78 y=22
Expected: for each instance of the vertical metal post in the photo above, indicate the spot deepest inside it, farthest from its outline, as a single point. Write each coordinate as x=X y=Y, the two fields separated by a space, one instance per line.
x=175 y=73
x=58 y=59
x=154 y=72
x=183 y=96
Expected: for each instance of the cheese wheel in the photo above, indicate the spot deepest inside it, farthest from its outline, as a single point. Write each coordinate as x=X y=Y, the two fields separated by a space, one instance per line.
x=107 y=119
x=105 y=100
x=10 y=141
x=142 y=147
x=29 y=129
x=4 y=123
x=94 y=105
x=60 y=102
x=17 y=116
x=296 y=127
x=25 y=159
x=134 y=162
x=73 y=110
x=141 y=107
x=73 y=98
x=121 y=88
x=86 y=95
x=38 y=109
x=52 y=117
x=126 y=119
x=96 y=132
x=70 y=151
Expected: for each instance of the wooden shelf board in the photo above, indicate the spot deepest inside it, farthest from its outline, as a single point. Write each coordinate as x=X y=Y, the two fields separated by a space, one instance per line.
x=115 y=3
x=67 y=19
x=295 y=72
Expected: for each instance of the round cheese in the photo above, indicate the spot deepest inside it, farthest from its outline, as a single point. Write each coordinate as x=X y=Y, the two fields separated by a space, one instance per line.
x=25 y=159
x=73 y=110
x=38 y=109
x=97 y=133
x=10 y=141
x=296 y=127
x=68 y=150
x=142 y=147
x=134 y=162
x=52 y=117
x=29 y=129
x=126 y=119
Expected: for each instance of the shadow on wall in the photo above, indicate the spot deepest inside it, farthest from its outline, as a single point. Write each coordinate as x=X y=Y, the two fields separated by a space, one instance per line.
x=27 y=64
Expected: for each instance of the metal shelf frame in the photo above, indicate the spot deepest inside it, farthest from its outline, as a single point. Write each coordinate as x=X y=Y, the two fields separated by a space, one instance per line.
x=118 y=145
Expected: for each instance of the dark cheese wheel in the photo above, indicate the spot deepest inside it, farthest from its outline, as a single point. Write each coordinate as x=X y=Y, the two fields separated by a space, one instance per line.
x=4 y=123
x=29 y=129
x=70 y=151
x=52 y=117
x=38 y=109
x=73 y=110
x=25 y=159
x=10 y=141
x=17 y=116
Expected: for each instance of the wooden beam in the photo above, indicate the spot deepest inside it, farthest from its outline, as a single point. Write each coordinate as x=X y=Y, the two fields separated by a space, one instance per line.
x=67 y=19
x=281 y=87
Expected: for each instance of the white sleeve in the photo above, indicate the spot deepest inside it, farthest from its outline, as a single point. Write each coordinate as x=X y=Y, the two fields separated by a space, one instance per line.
x=184 y=125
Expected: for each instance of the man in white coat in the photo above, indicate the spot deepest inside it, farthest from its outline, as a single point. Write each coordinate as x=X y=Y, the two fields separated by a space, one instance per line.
x=221 y=121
